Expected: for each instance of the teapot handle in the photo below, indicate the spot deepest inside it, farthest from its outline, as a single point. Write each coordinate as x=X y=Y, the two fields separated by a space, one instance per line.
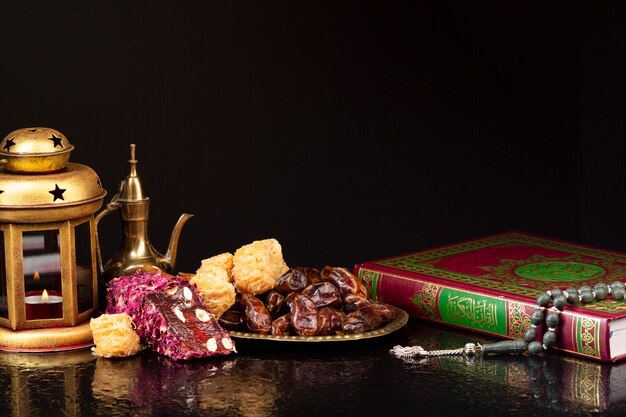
x=111 y=207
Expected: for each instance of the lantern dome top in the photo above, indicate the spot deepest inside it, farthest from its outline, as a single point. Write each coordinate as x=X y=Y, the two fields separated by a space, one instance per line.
x=38 y=184
x=35 y=149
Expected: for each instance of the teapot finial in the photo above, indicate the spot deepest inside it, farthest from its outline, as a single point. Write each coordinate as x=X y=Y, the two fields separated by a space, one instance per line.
x=131 y=189
x=132 y=160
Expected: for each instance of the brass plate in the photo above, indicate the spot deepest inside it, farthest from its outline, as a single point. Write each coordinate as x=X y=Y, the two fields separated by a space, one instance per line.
x=400 y=320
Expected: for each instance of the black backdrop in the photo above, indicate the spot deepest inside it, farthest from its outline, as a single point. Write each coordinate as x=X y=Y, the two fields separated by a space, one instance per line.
x=346 y=130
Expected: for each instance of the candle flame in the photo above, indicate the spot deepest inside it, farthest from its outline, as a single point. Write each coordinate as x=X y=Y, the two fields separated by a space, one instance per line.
x=36 y=275
x=44 y=295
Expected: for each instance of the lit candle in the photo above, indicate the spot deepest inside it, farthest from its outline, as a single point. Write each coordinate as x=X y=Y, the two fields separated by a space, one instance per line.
x=41 y=305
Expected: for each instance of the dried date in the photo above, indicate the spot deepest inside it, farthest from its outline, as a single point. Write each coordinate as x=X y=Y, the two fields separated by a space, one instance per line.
x=294 y=279
x=282 y=325
x=323 y=294
x=329 y=321
x=313 y=275
x=232 y=319
x=274 y=302
x=372 y=318
x=354 y=302
x=385 y=311
x=344 y=280
x=304 y=320
x=362 y=289
x=289 y=299
x=256 y=315
x=355 y=322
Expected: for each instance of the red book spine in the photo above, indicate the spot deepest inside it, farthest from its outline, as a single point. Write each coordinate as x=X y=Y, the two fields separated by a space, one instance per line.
x=486 y=311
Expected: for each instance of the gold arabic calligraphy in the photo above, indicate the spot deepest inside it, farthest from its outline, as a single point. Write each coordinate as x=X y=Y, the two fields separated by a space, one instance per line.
x=481 y=313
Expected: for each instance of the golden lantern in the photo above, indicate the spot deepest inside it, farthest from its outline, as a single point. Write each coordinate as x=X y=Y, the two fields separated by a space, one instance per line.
x=48 y=269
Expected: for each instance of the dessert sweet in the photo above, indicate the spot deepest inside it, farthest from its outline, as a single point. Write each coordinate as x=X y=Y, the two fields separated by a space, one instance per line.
x=223 y=260
x=213 y=284
x=113 y=336
x=168 y=315
x=258 y=266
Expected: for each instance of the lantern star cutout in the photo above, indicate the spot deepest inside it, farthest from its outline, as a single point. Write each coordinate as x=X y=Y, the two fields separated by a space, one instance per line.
x=8 y=144
x=57 y=141
x=57 y=193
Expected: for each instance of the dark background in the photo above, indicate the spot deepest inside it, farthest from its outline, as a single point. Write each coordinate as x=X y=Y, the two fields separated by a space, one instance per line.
x=346 y=130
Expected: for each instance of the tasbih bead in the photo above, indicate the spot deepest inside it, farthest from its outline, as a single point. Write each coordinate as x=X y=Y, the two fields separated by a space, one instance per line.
x=552 y=320
x=616 y=285
x=573 y=297
x=559 y=302
x=543 y=300
x=530 y=335
x=584 y=288
x=601 y=291
x=618 y=293
x=537 y=317
x=586 y=295
x=555 y=292
x=549 y=339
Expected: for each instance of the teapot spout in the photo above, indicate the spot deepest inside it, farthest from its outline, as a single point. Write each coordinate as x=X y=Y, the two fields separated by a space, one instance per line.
x=172 y=248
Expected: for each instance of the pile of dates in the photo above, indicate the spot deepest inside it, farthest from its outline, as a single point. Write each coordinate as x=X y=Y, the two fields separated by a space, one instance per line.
x=309 y=302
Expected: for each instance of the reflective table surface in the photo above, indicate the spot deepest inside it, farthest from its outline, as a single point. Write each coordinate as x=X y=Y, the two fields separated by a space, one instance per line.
x=268 y=378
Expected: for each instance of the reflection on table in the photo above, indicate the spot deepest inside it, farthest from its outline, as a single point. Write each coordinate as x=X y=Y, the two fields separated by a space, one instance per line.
x=271 y=378
x=551 y=378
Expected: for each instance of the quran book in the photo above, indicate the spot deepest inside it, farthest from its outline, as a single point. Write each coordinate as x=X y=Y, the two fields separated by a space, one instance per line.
x=490 y=285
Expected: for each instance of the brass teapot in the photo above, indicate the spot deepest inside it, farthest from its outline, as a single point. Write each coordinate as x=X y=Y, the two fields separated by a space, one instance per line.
x=136 y=251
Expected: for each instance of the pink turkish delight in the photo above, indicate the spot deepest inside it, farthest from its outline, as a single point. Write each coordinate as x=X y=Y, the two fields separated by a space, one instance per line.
x=168 y=315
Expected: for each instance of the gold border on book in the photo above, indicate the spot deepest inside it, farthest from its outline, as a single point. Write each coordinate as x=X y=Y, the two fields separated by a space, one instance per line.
x=401 y=319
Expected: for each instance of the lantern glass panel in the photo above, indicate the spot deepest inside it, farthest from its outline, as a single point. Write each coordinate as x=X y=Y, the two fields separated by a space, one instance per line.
x=4 y=307
x=84 y=271
x=42 y=274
